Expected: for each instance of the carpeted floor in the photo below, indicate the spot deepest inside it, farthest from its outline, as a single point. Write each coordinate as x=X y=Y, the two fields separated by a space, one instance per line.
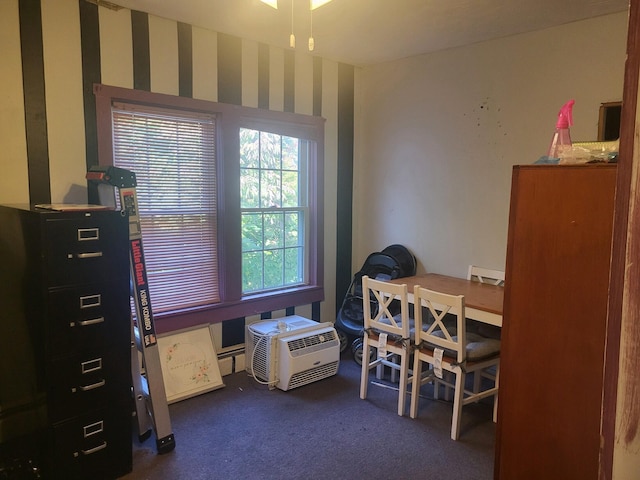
x=318 y=431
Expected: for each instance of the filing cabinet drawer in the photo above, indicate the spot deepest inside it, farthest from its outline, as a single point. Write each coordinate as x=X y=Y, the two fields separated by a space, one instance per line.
x=84 y=249
x=89 y=316
x=99 y=442
x=80 y=383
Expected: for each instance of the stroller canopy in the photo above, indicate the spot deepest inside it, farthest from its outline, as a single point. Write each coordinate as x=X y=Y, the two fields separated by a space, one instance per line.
x=395 y=261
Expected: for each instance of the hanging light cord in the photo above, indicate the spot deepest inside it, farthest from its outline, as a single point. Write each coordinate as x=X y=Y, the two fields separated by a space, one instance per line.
x=292 y=37
x=311 y=41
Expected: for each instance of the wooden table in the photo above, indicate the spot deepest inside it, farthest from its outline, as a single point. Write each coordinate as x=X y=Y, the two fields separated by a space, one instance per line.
x=483 y=302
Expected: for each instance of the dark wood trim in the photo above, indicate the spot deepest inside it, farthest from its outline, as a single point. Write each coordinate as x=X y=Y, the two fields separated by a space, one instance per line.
x=230 y=310
x=624 y=275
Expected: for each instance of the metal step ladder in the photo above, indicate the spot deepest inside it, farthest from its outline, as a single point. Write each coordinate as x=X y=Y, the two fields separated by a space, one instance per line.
x=152 y=410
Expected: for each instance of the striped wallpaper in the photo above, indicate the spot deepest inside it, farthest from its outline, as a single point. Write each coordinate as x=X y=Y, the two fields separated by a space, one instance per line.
x=53 y=53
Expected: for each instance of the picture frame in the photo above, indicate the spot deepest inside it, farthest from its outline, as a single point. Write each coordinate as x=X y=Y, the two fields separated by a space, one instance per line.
x=609 y=121
x=189 y=362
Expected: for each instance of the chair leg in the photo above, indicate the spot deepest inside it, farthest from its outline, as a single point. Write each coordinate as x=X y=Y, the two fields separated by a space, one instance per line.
x=415 y=385
x=477 y=378
x=495 y=397
x=364 y=375
x=394 y=371
x=402 y=387
x=458 y=395
x=447 y=388
x=380 y=370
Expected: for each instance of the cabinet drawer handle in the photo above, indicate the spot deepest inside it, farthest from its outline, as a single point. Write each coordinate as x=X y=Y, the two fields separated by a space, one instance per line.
x=95 y=449
x=86 y=388
x=92 y=321
x=89 y=255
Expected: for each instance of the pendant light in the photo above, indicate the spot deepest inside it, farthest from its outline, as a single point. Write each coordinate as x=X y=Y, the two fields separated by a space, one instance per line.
x=313 y=4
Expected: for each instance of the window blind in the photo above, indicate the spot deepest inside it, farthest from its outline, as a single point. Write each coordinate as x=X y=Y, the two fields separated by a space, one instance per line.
x=173 y=154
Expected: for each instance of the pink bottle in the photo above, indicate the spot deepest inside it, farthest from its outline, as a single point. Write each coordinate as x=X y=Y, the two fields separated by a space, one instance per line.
x=561 y=142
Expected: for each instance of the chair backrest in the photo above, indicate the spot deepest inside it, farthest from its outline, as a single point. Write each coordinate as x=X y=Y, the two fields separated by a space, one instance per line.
x=441 y=333
x=485 y=275
x=380 y=313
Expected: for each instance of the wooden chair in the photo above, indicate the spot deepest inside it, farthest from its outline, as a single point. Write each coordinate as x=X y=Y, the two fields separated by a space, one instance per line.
x=493 y=277
x=446 y=348
x=387 y=331
x=485 y=275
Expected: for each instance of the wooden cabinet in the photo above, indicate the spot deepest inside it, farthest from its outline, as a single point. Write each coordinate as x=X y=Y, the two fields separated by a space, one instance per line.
x=65 y=375
x=555 y=314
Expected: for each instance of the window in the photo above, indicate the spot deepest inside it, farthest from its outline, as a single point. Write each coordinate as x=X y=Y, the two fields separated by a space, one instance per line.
x=273 y=196
x=230 y=202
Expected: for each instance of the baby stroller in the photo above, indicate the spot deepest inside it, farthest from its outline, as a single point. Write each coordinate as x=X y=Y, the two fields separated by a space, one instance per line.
x=394 y=261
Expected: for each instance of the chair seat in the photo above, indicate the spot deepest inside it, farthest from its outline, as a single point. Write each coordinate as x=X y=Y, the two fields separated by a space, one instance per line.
x=398 y=320
x=478 y=347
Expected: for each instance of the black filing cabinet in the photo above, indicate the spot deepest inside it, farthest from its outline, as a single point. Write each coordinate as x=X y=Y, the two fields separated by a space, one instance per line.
x=65 y=358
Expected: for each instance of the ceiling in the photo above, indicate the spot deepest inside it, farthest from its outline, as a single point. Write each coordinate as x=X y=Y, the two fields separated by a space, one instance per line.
x=364 y=32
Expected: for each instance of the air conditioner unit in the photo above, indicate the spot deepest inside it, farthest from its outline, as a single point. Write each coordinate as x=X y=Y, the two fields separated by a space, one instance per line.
x=291 y=351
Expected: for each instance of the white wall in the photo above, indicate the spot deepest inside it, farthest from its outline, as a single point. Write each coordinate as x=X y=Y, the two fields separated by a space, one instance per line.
x=437 y=135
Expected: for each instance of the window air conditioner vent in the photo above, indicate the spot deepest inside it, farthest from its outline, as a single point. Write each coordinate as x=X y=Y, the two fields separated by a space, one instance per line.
x=309 y=376
x=311 y=341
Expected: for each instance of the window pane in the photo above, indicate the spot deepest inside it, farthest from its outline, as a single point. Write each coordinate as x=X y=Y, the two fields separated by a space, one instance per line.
x=270 y=151
x=249 y=148
x=252 y=232
x=293 y=266
x=289 y=153
x=273 y=230
x=293 y=229
x=290 y=197
x=252 y=271
x=249 y=188
x=270 y=189
x=273 y=268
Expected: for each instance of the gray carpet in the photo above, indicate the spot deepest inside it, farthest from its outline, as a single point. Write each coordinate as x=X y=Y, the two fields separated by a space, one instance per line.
x=318 y=431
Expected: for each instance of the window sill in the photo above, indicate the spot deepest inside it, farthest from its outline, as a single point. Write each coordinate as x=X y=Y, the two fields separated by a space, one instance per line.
x=247 y=306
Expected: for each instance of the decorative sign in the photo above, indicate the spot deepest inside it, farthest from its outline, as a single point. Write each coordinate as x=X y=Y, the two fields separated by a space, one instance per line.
x=189 y=363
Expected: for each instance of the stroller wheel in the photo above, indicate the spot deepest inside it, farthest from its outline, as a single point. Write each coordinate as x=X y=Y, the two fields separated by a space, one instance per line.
x=344 y=340
x=357 y=350
x=356 y=344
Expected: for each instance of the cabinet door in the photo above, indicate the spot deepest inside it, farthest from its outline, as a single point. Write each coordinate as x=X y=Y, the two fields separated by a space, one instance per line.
x=557 y=275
